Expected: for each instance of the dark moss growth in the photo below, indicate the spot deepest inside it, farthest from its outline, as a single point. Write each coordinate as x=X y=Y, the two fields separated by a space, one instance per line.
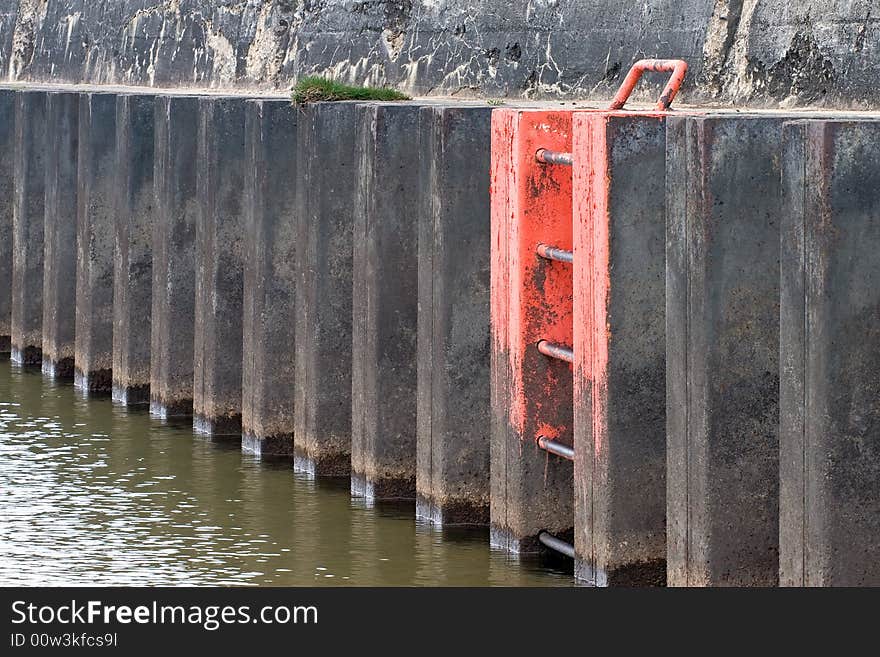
x=314 y=89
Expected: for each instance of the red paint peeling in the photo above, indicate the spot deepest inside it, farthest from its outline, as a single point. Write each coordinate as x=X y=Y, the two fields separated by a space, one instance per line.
x=535 y=299
x=592 y=276
x=591 y=279
x=502 y=134
x=592 y=340
x=531 y=296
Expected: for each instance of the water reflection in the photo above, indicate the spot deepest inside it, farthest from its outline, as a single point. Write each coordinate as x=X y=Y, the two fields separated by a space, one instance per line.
x=92 y=494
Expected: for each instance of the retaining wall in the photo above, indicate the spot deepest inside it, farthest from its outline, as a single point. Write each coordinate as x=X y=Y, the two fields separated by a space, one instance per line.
x=769 y=52
x=319 y=281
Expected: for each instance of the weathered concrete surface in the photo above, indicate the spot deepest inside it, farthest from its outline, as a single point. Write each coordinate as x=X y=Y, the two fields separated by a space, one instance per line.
x=269 y=279
x=9 y=16
x=27 y=228
x=385 y=301
x=59 y=238
x=96 y=162
x=7 y=202
x=823 y=51
x=220 y=245
x=174 y=256
x=723 y=218
x=531 y=300
x=452 y=479
x=829 y=507
x=326 y=179
x=133 y=255
x=619 y=349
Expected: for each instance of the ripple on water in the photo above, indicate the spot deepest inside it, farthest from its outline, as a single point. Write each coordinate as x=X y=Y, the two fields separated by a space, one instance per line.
x=92 y=495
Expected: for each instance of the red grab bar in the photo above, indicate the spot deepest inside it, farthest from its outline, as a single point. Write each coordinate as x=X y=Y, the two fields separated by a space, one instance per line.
x=678 y=67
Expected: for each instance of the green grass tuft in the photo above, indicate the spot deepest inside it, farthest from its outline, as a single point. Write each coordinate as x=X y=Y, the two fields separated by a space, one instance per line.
x=314 y=89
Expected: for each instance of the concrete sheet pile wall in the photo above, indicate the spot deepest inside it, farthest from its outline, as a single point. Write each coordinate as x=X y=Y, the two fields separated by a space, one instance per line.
x=747 y=497
x=332 y=284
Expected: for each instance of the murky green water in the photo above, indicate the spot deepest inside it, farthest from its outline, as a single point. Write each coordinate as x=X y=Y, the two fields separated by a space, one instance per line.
x=92 y=494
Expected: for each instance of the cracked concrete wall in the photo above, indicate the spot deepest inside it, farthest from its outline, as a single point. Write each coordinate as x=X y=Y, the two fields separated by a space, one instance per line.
x=760 y=52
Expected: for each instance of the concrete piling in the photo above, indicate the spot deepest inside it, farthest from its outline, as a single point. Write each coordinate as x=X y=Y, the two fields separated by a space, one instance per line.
x=326 y=178
x=59 y=261
x=619 y=348
x=452 y=478
x=7 y=202
x=268 y=381
x=723 y=219
x=96 y=163
x=219 y=267
x=27 y=228
x=174 y=256
x=829 y=507
x=531 y=489
x=386 y=205
x=132 y=272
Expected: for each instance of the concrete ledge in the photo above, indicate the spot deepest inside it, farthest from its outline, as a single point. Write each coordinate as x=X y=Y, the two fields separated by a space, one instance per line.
x=386 y=206
x=829 y=507
x=326 y=179
x=174 y=256
x=453 y=316
x=133 y=261
x=96 y=162
x=27 y=228
x=220 y=244
x=59 y=276
x=268 y=380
